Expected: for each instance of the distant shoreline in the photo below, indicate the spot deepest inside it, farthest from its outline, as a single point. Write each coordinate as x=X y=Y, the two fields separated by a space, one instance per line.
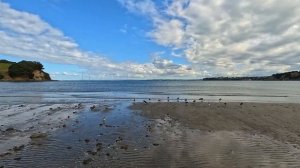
x=287 y=76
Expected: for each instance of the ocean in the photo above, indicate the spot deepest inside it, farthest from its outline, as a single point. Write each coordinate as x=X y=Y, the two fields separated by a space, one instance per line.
x=93 y=91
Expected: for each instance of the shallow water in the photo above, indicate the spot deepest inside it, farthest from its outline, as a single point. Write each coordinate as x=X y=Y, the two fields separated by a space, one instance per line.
x=93 y=91
x=131 y=140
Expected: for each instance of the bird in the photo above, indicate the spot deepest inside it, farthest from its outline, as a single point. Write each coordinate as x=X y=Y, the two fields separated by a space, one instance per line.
x=145 y=102
x=220 y=100
x=177 y=99
x=241 y=103
x=201 y=99
x=194 y=101
x=159 y=100
x=185 y=100
x=134 y=99
x=225 y=104
x=168 y=99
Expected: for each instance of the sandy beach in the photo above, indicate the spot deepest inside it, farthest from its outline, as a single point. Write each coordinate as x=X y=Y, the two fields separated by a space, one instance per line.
x=279 y=121
x=152 y=134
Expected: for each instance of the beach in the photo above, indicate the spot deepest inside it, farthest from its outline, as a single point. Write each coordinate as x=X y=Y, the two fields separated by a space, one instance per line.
x=279 y=121
x=108 y=124
x=165 y=134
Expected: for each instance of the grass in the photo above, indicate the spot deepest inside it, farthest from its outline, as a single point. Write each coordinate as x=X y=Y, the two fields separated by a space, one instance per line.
x=4 y=69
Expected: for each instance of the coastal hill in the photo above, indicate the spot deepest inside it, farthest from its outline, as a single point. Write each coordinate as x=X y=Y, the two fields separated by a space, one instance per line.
x=293 y=75
x=22 y=71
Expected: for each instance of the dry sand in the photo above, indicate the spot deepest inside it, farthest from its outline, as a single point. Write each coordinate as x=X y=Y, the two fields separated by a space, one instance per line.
x=279 y=121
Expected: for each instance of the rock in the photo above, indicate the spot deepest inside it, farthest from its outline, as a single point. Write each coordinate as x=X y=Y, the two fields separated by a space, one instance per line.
x=5 y=154
x=69 y=147
x=155 y=144
x=125 y=147
x=91 y=152
x=38 y=135
x=10 y=129
x=64 y=126
x=18 y=148
x=18 y=158
x=87 y=161
x=99 y=146
x=93 y=107
x=86 y=140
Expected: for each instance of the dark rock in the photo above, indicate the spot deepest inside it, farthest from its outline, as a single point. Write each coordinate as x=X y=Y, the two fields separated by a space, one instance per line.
x=10 y=129
x=86 y=140
x=38 y=135
x=93 y=107
x=87 y=161
x=18 y=158
x=91 y=152
x=18 y=148
x=5 y=154
x=125 y=147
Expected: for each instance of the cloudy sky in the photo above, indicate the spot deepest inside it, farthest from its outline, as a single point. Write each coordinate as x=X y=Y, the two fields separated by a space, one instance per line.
x=152 y=39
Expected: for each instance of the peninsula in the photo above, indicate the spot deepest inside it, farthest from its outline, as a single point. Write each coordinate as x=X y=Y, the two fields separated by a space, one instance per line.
x=287 y=76
x=22 y=71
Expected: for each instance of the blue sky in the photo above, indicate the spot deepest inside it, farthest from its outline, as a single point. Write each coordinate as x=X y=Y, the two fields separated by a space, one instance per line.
x=146 y=39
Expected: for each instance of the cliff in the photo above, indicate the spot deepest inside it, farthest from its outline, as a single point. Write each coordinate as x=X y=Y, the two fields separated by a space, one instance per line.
x=22 y=71
x=287 y=76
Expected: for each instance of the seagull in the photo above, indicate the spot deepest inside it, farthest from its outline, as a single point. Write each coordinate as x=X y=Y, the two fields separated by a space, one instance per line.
x=194 y=101
x=168 y=99
x=177 y=99
x=145 y=102
x=220 y=100
x=134 y=99
x=225 y=104
x=201 y=99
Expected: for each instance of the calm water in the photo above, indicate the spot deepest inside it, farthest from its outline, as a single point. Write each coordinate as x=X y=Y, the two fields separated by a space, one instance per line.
x=92 y=91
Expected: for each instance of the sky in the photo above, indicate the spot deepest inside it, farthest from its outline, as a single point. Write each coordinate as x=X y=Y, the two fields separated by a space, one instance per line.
x=152 y=39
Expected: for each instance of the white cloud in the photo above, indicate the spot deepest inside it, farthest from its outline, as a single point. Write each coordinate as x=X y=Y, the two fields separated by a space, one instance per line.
x=231 y=37
x=26 y=35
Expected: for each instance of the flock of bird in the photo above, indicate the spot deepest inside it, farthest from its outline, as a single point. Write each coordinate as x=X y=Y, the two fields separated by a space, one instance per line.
x=186 y=101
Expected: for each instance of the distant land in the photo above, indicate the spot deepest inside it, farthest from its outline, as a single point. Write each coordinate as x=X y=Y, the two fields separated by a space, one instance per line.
x=287 y=76
x=22 y=71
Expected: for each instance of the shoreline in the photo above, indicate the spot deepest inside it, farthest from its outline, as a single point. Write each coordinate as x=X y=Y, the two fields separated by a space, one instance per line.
x=276 y=120
x=115 y=133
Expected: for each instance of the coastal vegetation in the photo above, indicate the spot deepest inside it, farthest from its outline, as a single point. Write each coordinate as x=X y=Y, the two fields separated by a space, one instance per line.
x=293 y=75
x=22 y=71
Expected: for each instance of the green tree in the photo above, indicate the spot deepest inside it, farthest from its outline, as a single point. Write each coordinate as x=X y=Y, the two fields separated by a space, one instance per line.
x=24 y=69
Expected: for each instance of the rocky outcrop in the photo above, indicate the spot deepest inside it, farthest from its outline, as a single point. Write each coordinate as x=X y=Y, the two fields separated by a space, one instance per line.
x=22 y=71
x=40 y=75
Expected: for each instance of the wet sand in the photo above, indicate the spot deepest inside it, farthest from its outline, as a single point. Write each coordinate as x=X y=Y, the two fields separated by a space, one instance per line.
x=279 y=121
x=126 y=134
